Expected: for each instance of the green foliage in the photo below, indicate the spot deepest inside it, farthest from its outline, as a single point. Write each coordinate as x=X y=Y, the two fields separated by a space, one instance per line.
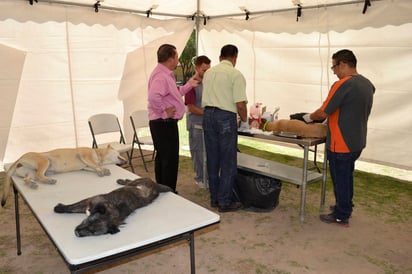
x=186 y=57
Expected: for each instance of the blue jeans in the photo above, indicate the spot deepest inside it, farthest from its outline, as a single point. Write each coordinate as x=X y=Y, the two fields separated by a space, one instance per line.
x=341 y=167
x=220 y=130
x=196 y=151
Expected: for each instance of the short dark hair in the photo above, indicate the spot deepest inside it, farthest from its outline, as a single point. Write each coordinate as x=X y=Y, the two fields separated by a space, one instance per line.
x=202 y=59
x=228 y=51
x=345 y=56
x=165 y=52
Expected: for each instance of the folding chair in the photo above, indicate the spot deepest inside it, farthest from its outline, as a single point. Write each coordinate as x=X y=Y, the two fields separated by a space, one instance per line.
x=141 y=133
x=107 y=127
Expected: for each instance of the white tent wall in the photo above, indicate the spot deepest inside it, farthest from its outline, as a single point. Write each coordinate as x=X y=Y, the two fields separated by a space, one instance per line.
x=292 y=69
x=79 y=62
x=9 y=82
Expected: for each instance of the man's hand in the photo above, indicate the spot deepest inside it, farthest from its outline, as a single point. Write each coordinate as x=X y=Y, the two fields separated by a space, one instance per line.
x=307 y=119
x=243 y=125
x=170 y=111
x=194 y=81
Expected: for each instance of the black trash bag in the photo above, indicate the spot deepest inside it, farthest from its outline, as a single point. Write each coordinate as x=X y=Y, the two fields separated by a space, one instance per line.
x=256 y=192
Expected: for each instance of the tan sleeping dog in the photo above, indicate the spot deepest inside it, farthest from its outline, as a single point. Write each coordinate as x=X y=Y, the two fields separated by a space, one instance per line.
x=300 y=128
x=33 y=166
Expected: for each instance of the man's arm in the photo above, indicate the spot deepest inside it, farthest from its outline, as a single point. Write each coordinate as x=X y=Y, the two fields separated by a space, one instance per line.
x=242 y=111
x=318 y=115
x=194 y=109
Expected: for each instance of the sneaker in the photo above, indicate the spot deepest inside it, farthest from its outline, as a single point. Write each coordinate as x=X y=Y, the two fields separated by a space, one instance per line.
x=234 y=206
x=330 y=219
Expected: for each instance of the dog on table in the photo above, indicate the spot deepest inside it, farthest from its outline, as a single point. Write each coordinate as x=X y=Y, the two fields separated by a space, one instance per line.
x=300 y=128
x=33 y=166
x=106 y=212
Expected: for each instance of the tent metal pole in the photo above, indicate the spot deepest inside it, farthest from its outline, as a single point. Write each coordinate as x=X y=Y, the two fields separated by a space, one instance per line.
x=197 y=27
x=102 y=7
x=353 y=2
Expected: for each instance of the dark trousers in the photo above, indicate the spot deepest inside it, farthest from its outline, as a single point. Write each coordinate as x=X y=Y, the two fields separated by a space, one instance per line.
x=220 y=130
x=165 y=134
x=341 y=167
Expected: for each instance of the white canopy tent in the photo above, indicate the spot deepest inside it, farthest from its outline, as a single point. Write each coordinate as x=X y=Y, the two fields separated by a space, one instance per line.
x=62 y=61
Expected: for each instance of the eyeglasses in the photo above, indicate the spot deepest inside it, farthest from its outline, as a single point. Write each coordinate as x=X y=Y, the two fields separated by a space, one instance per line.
x=334 y=66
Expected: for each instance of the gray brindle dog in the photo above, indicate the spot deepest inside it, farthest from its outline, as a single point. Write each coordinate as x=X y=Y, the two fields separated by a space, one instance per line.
x=106 y=212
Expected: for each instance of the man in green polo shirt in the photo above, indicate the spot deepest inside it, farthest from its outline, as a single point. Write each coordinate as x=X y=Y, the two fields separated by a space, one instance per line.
x=224 y=96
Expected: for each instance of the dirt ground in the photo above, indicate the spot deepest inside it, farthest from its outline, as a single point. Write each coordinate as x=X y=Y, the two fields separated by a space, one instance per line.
x=243 y=242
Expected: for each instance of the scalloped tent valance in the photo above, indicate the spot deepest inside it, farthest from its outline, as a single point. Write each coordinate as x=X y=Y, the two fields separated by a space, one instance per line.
x=65 y=60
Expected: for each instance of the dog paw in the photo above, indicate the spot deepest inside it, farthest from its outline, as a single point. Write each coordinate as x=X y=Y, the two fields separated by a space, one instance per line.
x=121 y=181
x=51 y=181
x=60 y=208
x=106 y=172
x=33 y=185
x=100 y=173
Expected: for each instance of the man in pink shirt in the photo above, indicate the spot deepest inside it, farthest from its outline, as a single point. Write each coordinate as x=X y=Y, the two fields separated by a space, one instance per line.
x=166 y=107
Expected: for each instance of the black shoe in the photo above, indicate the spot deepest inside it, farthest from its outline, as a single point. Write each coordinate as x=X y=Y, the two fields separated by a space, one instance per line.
x=234 y=206
x=330 y=219
x=332 y=208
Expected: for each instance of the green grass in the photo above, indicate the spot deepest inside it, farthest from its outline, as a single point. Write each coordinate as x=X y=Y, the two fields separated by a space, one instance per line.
x=378 y=195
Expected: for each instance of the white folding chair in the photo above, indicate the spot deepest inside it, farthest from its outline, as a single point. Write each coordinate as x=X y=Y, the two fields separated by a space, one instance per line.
x=141 y=134
x=105 y=127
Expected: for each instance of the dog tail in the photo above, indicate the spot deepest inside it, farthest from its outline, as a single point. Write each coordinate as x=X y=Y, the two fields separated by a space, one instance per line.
x=163 y=188
x=7 y=182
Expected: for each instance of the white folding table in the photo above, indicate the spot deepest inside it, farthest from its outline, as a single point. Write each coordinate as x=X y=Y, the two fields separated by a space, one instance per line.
x=169 y=219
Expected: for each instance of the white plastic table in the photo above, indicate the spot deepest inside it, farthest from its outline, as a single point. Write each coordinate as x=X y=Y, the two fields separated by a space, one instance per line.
x=169 y=219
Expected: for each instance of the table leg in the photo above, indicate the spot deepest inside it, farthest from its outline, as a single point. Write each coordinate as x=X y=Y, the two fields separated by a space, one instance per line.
x=205 y=181
x=324 y=177
x=315 y=153
x=192 y=253
x=315 y=162
x=17 y=217
x=304 y=181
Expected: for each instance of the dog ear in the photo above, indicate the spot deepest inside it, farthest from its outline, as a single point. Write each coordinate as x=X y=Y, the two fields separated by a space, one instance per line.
x=99 y=208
